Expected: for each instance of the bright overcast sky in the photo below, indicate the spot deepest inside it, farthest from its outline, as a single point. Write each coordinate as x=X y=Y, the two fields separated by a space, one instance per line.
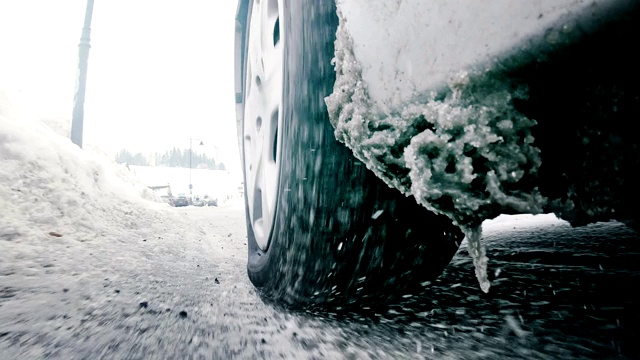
x=160 y=71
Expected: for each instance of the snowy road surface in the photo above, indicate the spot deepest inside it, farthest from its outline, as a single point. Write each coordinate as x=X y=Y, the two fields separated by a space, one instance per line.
x=183 y=293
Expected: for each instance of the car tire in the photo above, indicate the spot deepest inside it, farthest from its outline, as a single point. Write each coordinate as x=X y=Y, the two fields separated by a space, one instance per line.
x=337 y=235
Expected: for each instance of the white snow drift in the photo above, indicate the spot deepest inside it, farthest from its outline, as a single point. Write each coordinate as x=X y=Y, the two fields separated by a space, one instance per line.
x=50 y=187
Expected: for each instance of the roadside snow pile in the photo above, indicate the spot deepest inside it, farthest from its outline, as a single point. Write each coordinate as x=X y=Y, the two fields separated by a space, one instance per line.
x=50 y=187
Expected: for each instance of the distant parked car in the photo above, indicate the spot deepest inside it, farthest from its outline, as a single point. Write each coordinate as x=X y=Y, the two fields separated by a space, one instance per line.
x=181 y=200
x=210 y=201
x=199 y=202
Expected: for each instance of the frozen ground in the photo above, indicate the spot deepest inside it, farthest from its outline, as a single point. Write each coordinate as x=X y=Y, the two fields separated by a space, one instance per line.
x=92 y=266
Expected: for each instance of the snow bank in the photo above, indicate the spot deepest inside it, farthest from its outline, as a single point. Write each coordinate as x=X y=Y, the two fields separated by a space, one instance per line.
x=465 y=153
x=50 y=187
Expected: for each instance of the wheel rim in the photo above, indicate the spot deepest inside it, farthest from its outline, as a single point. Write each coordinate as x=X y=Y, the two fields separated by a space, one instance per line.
x=262 y=116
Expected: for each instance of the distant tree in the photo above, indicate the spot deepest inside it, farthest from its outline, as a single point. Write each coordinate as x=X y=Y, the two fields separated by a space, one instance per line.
x=124 y=156
x=175 y=158
x=180 y=158
x=221 y=166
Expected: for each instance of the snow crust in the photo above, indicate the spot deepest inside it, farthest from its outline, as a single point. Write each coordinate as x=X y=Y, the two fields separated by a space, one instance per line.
x=465 y=153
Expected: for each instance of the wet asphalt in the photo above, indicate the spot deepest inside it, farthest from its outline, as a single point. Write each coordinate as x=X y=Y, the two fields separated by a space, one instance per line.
x=557 y=293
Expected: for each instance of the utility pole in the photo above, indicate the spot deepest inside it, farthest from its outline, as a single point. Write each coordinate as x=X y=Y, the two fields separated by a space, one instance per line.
x=78 y=101
x=190 y=152
x=190 y=183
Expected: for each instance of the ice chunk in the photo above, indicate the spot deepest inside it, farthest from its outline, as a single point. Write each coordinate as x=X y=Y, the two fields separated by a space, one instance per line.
x=478 y=254
x=514 y=326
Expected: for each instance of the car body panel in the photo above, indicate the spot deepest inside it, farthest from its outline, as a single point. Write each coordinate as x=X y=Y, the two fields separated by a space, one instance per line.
x=411 y=47
x=181 y=201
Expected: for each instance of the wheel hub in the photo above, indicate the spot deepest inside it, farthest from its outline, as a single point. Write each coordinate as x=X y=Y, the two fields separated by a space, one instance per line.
x=262 y=116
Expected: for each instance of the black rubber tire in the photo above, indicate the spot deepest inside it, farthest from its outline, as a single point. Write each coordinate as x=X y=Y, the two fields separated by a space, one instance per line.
x=325 y=246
